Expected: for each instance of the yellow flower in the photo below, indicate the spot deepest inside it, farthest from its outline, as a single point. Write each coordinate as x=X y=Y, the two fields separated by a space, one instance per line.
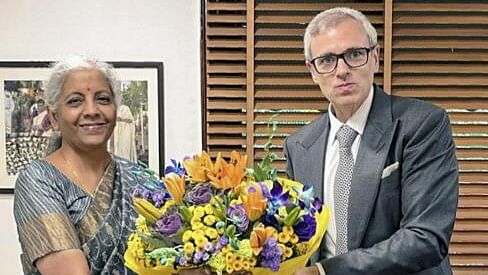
x=253 y=261
x=229 y=269
x=254 y=202
x=302 y=248
x=175 y=185
x=246 y=265
x=198 y=167
x=237 y=265
x=288 y=230
x=209 y=220
x=208 y=209
x=186 y=236
x=283 y=237
x=211 y=233
x=188 y=247
x=199 y=212
x=229 y=257
x=288 y=252
x=197 y=234
x=197 y=226
x=201 y=242
x=294 y=239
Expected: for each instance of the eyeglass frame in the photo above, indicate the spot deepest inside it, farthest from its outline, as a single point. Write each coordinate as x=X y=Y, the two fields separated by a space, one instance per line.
x=341 y=56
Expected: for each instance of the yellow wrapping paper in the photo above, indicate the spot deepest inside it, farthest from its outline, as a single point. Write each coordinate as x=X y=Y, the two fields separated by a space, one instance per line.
x=286 y=268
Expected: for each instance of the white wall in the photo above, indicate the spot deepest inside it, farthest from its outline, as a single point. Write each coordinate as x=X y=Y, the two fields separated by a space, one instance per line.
x=115 y=30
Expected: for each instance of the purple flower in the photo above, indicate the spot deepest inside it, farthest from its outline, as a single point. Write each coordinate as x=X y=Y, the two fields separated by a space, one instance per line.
x=206 y=256
x=317 y=205
x=271 y=255
x=181 y=261
x=158 y=198
x=146 y=194
x=237 y=214
x=209 y=247
x=200 y=194
x=223 y=241
x=168 y=224
x=197 y=257
x=305 y=228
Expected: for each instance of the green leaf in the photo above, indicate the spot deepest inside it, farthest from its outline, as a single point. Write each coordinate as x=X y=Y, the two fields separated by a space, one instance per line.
x=156 y=242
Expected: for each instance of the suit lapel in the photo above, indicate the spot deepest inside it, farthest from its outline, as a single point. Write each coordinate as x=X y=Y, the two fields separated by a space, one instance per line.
x=373 y=150
x=315 y=144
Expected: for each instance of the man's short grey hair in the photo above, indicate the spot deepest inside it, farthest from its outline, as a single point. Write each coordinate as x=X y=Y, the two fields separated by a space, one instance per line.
x=61 y=69
x=331 y=18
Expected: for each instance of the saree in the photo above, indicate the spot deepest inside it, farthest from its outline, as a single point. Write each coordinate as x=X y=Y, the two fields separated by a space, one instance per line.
x=54 y=214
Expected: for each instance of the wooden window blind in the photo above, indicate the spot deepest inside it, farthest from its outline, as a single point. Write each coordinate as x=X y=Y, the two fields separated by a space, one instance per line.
x=434 y=50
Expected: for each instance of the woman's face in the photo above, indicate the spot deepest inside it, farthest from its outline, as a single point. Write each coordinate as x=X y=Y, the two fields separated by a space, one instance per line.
x=86 y=112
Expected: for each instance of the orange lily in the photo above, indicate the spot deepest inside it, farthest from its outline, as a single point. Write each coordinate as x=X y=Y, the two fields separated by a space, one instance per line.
x=228 y=175
x=198 y=167
x=254 y=202
x=259 y=236
x=175 y=185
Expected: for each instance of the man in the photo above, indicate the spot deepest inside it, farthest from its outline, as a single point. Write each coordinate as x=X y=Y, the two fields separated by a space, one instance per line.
x=385 y=165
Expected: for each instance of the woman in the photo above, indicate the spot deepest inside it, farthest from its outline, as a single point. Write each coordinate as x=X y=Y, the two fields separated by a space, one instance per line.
x=73 y=208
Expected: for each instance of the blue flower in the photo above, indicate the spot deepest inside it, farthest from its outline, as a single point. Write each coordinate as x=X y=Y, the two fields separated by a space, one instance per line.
x=276 y=198
x=305 y=228
x=176 y=168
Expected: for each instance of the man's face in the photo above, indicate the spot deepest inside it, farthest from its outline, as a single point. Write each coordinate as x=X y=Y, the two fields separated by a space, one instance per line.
x=345 y=87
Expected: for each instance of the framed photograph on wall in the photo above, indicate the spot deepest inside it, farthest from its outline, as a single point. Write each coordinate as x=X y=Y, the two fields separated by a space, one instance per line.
x=25 y=128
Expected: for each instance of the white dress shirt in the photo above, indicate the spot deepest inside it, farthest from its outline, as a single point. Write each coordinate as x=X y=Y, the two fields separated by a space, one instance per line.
x=357 y=122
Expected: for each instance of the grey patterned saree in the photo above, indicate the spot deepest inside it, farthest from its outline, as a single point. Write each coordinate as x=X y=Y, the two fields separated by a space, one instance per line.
x=53 y=214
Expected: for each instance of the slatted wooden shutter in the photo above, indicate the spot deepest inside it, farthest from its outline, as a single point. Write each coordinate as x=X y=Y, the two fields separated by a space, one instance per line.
x=436 y=51
x=225 y=53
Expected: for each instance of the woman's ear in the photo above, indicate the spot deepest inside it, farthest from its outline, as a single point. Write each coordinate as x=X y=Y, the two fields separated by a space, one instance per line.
x=53 y=119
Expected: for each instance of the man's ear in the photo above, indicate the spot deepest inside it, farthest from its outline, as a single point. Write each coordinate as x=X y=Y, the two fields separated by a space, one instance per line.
x=376 y=56
x=53 y=119
x=311 y=70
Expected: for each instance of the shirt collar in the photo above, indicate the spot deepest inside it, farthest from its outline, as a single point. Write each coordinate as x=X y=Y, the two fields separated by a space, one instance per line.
x=357 y=121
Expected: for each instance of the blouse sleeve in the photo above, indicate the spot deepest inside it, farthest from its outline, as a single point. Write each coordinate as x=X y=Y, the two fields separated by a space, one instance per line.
x=42 y=218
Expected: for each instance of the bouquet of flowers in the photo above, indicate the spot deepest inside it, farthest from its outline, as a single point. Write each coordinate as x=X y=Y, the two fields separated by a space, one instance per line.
x=226 y=217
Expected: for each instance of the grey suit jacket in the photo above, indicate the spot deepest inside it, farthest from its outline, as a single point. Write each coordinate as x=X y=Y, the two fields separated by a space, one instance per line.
x=402 y=223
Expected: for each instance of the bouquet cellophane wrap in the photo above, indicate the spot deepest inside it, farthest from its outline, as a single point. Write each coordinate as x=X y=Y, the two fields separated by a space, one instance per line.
x=286 y=268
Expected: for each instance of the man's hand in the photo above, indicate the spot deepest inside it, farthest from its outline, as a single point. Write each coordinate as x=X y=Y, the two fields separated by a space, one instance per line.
x=309 y=270
x=208 y=271
x=196 y=271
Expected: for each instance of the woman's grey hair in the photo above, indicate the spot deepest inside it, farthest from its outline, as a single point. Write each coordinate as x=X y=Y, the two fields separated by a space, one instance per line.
x=331 y=18
x=61 y=69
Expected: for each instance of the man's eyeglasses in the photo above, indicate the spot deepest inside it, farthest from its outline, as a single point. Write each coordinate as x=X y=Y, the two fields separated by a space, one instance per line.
x=354 y=58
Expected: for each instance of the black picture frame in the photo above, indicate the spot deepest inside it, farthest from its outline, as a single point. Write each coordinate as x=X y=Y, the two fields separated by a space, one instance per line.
x=30 y=72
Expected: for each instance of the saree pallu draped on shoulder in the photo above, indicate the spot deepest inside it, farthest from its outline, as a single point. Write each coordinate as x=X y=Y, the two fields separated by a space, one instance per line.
x=105 y=249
